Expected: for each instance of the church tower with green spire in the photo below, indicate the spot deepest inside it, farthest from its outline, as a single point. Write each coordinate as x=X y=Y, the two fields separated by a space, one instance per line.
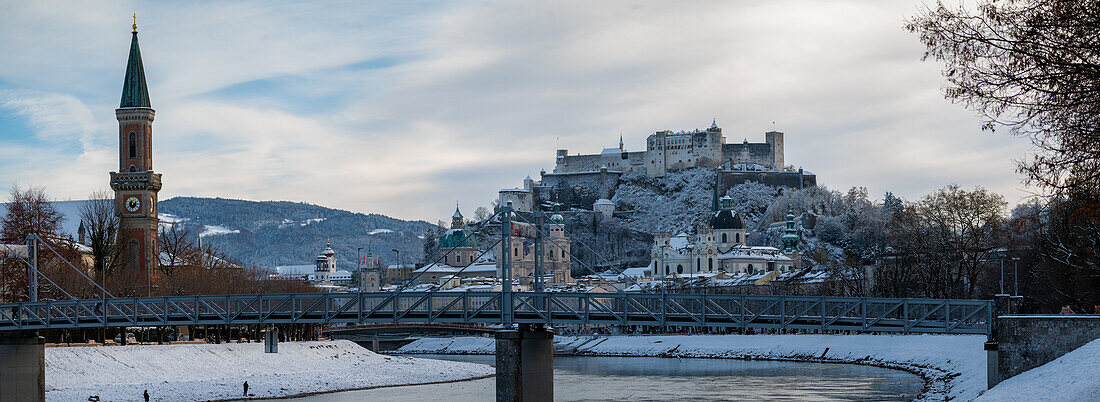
x=135 y=183
x=790 y=234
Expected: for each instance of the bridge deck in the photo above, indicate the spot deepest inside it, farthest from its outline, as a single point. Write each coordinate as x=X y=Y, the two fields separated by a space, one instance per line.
x=551 y=308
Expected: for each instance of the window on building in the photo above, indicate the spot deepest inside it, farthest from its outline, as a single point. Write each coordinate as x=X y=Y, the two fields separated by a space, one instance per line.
x=666 y=270
x=724 y=238
x=679 y=268
x=515 y=252
x=738 y=236
x=710 y=264
x=133 y=144
x=751 y=270
x=698 y=264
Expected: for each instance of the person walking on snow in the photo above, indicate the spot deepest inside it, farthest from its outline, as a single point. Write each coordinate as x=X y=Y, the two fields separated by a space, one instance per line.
x=146 y=395
x=246 y=388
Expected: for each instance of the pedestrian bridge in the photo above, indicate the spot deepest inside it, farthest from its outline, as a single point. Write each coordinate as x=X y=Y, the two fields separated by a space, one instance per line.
x=507 y=308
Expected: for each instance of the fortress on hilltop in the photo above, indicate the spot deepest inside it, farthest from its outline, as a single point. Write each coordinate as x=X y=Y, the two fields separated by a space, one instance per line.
x=582 y=180
x=668 y=151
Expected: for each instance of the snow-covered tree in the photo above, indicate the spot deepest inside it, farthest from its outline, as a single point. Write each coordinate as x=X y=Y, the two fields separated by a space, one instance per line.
x=675 y=203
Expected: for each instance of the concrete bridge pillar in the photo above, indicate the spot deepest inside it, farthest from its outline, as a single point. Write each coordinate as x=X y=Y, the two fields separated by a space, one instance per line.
x=525 y=364
x=22 y=367
x=271 y=341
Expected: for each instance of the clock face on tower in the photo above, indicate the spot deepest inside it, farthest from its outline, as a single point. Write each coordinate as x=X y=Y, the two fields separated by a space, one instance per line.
x=133 y=204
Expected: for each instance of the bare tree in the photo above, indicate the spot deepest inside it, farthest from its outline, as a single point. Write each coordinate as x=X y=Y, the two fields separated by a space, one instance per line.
x=28 y=212
x=963 y=226
x=481 y=213
x=1031 y=66
x=101 y=228
x=176 y=248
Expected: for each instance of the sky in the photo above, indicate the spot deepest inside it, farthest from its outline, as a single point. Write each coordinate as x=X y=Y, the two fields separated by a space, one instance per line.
x=402 y=108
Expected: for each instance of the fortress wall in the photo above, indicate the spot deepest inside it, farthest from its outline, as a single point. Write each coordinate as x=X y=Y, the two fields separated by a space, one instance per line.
x=585 y=163
x=727 y=179
x=592 y=186
x=758 y=153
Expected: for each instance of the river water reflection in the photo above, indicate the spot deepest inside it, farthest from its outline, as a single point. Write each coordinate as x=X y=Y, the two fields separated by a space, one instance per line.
x=581 y=378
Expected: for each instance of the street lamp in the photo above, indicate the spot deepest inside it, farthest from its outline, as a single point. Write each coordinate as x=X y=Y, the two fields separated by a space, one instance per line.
x=358 y=269
x=1015 y=275
x=1001 y=251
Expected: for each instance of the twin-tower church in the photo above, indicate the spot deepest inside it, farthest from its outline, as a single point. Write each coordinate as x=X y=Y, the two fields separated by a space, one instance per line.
x=135 y=183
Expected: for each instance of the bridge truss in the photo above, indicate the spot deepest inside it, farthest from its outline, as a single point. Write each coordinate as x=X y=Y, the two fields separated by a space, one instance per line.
x=550 y=308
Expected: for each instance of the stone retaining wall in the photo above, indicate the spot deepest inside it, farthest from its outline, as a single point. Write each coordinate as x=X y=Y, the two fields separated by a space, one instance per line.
x=1027 y=341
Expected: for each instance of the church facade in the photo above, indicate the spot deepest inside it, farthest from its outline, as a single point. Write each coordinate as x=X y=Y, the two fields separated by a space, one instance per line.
x=135 y=183
x=722 y=246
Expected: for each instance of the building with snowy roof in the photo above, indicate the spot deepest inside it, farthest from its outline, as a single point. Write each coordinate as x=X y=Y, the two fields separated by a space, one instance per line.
x=721 y=246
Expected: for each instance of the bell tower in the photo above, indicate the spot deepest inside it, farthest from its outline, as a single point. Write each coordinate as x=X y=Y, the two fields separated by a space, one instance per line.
x=135 y=184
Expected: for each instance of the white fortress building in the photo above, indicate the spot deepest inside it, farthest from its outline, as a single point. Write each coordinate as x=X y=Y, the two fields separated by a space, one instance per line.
x=668 y=151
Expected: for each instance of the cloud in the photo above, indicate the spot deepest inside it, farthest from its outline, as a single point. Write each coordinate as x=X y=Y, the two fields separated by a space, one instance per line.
x=401 y=108
x=54 y=117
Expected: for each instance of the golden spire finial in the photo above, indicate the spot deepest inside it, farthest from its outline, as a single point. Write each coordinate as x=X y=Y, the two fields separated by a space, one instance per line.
x=135 y=22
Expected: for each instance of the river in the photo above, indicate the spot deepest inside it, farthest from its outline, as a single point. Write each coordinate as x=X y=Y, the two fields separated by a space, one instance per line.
x=580 y=378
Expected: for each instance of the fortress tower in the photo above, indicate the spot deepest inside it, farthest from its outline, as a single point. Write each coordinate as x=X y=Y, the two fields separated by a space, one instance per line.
x=135 y=184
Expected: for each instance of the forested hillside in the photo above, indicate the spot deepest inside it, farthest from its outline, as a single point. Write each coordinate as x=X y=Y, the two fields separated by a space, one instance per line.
x=269 y=233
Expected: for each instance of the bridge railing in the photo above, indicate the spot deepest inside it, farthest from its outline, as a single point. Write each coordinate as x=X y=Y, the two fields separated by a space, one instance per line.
x=551 y=308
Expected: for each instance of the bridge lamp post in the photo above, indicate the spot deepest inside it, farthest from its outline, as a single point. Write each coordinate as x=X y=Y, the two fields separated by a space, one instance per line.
x=1001 y=253
x=1015 y=275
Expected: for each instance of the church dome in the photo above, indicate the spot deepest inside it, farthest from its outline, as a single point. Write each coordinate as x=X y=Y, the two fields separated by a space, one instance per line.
x=727 y=219
x=328 y=252
x=458 y=238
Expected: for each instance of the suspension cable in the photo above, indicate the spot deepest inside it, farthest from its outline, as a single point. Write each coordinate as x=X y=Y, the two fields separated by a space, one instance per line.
x=47 y=244
x=573 y=257
x=480 y=226
x=36 y=271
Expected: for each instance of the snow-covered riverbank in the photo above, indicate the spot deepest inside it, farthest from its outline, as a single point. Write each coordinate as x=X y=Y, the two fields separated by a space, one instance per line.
x=1072 y=377
x=953 y=366
x=212 y=372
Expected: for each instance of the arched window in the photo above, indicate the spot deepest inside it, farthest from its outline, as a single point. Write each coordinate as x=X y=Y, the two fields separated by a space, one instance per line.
x=133 y=144
x=698 y=264
x=666 y=270
x=710 y=264
x=515 y=252
x=679 y=268
x=133 y=168
x=724 y=239
x=738 y=237
x=751 y=271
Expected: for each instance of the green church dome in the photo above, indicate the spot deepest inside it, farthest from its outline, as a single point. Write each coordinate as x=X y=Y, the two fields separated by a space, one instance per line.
x=458 y=238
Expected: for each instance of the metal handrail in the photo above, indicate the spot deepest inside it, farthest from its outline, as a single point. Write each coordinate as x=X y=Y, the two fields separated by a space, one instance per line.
x=640 y=309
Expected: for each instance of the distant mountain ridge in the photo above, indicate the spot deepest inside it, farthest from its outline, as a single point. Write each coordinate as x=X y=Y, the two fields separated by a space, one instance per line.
x=271 y=233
